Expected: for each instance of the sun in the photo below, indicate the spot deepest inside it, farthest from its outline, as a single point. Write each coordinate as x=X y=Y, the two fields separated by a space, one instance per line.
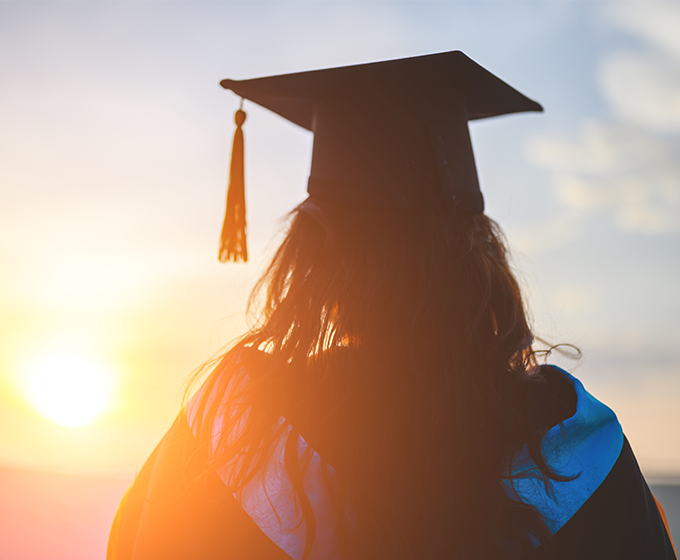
x=69 y=389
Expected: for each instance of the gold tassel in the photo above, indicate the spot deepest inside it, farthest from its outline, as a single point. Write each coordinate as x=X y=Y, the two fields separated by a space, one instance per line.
x=233 y=241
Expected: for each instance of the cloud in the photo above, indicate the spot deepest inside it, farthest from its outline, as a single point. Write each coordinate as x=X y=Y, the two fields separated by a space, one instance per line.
x=618 y=169
x=643 y=85
x=656 y=23
x=643 y=88
x=627 y=166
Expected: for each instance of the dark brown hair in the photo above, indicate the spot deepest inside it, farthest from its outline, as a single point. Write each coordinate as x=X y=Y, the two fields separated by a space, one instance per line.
x=411 y=329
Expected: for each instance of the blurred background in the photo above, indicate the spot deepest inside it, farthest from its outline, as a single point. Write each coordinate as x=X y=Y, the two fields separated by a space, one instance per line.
x=114 y=151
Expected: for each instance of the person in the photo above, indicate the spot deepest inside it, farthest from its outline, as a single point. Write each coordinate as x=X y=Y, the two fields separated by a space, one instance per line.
x=390 y=402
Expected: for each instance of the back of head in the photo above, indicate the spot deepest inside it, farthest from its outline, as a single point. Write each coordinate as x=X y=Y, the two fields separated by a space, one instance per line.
x=417 y=323
x=422 y=283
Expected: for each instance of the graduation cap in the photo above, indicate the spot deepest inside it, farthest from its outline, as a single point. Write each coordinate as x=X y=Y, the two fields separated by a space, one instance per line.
x=386 y=134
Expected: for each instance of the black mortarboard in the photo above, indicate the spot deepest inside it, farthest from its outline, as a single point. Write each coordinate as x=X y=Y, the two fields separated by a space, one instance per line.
x=392 y=133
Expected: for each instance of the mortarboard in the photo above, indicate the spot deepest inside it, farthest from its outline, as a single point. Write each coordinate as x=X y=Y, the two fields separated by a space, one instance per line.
x=386 y=134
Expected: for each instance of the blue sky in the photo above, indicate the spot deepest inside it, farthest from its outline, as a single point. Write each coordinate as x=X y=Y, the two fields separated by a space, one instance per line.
x=114 y=151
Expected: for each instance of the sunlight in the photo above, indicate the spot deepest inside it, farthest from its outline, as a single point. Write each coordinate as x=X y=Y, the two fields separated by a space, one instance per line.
x=69 y=389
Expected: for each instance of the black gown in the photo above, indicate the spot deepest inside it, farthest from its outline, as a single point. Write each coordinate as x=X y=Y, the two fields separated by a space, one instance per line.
x=607 y=512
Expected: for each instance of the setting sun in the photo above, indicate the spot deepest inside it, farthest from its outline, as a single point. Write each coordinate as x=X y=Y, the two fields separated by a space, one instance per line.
x=69 y=389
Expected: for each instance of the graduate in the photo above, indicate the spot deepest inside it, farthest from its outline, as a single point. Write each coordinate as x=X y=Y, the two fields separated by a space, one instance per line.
x=389 y=403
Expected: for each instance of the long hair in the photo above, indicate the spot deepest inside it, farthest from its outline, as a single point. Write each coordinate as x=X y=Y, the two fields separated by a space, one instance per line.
x=416 y=323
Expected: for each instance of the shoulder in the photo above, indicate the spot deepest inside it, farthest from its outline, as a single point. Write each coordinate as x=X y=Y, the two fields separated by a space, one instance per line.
x=586 y=444
x=247 y=387
x=601 y=506
x=582 y=448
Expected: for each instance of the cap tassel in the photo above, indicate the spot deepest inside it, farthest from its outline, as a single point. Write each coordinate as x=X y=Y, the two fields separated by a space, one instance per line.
x=233 y=241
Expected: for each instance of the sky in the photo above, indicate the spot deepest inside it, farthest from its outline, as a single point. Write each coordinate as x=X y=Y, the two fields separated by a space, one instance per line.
x=114 y=150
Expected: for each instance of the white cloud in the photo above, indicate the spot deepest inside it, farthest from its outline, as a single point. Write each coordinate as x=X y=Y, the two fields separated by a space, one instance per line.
x=629 y=166
x=643 y=88
x=600 y=149
x=617 y=169
x=656 y=23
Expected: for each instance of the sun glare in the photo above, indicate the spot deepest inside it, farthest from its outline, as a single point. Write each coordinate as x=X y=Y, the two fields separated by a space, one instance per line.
x=69 y=389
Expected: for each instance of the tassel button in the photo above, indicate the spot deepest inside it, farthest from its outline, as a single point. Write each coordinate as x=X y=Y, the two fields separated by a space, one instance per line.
x=240 y=117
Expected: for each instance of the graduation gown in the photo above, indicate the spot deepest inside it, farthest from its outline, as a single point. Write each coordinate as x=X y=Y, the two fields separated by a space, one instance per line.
x=604 y=511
